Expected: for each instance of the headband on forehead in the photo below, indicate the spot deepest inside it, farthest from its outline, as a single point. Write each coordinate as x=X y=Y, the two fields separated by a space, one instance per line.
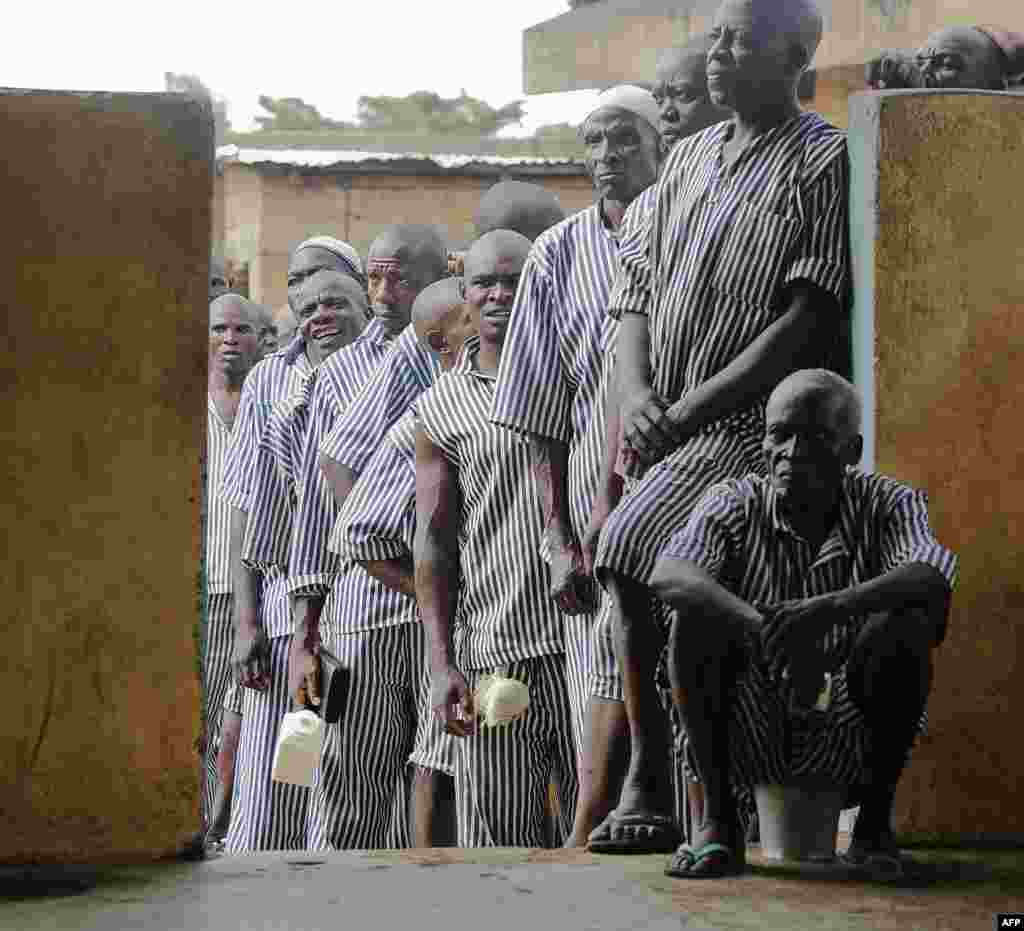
x=342 y=250
x=632 y=98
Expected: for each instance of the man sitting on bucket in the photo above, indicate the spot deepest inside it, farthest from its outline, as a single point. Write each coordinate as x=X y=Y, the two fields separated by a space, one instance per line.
x=807 y=603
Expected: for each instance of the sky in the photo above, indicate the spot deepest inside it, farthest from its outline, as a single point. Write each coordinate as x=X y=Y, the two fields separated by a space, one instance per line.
x=329 y=56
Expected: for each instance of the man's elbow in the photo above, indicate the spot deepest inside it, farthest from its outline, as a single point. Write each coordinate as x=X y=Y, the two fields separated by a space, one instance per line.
x=672 y=582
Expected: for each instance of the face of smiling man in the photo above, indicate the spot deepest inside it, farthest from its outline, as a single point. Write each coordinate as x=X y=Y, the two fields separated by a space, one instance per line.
x=331 y=311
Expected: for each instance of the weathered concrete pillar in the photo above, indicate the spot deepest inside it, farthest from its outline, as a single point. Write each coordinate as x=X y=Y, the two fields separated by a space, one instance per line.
x=939 y=352
x=104 y=258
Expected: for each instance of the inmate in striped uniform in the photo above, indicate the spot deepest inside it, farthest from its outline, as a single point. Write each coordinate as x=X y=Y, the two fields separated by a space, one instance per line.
x=358 y=798
x=265 y=815
x=505 y=621
x=739 y=535
x=708 y=267
x=550 y=380
x=356 y=435
x=219 y=633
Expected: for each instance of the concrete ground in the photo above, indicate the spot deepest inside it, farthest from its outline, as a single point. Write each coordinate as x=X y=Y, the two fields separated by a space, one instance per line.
x=505 y=890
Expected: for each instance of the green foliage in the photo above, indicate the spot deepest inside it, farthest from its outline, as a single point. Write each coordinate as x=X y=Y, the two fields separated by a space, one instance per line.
x=291 y=114
x=428 y=112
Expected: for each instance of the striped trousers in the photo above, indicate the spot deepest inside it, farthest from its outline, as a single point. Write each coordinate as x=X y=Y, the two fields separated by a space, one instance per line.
x=265 y=815
x=217 y=679
x=434 y=747
x=359 y=796
x=503 y=773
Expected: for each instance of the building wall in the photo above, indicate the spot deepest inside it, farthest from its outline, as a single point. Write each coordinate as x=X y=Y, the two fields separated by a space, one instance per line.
x=105 y=261
x=354 y=207
x=939 y=351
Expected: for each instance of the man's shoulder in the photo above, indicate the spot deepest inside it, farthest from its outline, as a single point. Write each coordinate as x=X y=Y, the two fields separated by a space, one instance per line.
x=878 y=491
x=564 y=233
x=738 y=494
x=824 y=145
x=693 y=150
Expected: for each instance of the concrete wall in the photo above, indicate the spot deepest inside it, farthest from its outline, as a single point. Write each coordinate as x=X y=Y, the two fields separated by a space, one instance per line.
x=104 y=253
x=939 y=350
x=280 y=209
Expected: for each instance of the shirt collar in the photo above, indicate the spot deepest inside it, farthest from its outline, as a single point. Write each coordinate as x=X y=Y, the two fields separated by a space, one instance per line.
x=841 y=539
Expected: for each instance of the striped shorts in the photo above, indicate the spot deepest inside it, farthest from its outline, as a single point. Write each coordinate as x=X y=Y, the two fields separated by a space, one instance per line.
x=657 y=505
x=217 y=680
x=503 y=773
x=360 y=791
x=265 y=815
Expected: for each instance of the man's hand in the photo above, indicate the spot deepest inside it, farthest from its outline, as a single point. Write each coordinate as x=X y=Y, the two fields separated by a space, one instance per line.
x=793 y=641
x=304 y=672
x=646 y=426
x=250 y=659
x=892 y=70
x=572 y=587
x=449 y=694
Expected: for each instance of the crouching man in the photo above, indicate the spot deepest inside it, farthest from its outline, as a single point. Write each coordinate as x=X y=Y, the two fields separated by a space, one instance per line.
x=806 y=607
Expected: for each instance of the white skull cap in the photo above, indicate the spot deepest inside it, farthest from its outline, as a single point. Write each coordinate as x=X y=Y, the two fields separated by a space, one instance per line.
x=632 y=98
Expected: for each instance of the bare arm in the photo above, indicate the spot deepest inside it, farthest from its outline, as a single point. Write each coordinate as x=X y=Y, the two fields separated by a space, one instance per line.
x=396 y=574
x=251 y=656
x=691 y=590
x=790 y=343
x=340 y=478
x=436 y=568
x=609 y=483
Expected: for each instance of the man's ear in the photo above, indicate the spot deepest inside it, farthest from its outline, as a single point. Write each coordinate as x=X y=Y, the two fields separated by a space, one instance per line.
x=438 y=342
x=853 y=451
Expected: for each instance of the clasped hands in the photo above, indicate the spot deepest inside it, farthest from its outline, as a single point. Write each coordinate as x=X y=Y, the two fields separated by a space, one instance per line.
x=794 y=643
x=651 y=426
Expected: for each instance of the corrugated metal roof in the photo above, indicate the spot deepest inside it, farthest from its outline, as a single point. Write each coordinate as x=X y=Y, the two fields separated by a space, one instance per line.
x=331 y=158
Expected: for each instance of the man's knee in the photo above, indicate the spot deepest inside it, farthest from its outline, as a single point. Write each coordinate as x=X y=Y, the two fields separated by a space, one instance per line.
x=891 y=662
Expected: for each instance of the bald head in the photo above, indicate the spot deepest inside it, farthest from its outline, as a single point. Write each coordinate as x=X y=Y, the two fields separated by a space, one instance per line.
x=525 y=208
x=961 y=57
x=248 y=310
x=441 y=320
x=505 y=246
x=799 y=22
x=687 y=60
x=824 y=391
x=418 y=244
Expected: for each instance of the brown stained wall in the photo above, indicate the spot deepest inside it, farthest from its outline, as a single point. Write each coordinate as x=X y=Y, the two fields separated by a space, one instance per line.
x=356 y=207
x=104 y=253
x=941 y=271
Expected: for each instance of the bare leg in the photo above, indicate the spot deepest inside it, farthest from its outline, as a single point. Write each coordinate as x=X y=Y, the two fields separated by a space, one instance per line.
x=603 y=766
x=638 y=641
x=703 y=663
x=220 y=817
x=889 y=675
x=433 y=808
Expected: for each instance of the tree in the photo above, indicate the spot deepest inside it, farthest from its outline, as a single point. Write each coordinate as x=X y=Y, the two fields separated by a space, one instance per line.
x=557 y=132
x=191 y=84
x=293 y=113
x=428 y=112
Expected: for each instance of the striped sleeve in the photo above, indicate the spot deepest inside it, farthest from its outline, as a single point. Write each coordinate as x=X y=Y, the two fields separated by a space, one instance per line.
x=408 y=370
x=822 y=253
x=378 y=519
x=907 y=537
x=436 y=410
x=632 y=291
x=532 y=394
x=234 y=483
x=712 y=534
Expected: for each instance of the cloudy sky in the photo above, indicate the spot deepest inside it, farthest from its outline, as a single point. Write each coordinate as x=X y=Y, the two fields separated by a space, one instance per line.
x=328 y=55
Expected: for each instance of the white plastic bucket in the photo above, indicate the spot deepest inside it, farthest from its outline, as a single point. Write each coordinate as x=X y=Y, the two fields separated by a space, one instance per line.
x=798 y=822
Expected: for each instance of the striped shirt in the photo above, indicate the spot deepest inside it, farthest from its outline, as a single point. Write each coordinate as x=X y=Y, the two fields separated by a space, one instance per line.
x=550 y=381
x=739 y=535
x=272 y=379
x=708 y=263
x=504 y=613
x=338 y=382
x=218 y=511
x=356 y=434
x=378 y=520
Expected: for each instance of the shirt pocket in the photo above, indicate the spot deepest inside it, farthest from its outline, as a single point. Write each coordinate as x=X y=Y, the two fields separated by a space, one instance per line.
x=755 y=254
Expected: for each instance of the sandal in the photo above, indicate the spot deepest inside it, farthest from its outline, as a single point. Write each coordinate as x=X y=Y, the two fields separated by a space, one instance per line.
x=709 y=861
x=662 y=838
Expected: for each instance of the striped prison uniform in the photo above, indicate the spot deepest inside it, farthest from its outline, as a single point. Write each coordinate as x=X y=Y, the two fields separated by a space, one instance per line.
x=218 y=637
x=707 y=267
x=740 y=536
x=378 y=522
x=264 y=815
x=505 y=620
x=550 y=384
x=359 y=795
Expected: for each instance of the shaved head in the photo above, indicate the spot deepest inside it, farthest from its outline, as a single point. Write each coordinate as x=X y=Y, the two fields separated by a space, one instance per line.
x=436 y=300
x=961 y=57
x=832 y=391
x=690 y=59
x=251 y=312
x=441 y=319
x=504 y=243
x=416 y=243
x=525 y=208
x=799 y=20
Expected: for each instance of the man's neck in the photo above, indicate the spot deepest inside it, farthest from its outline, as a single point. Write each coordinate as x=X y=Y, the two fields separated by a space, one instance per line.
x=613 y=211
x=813 y=518
x=225 y=383
x=488 y=357
x=761 y=119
